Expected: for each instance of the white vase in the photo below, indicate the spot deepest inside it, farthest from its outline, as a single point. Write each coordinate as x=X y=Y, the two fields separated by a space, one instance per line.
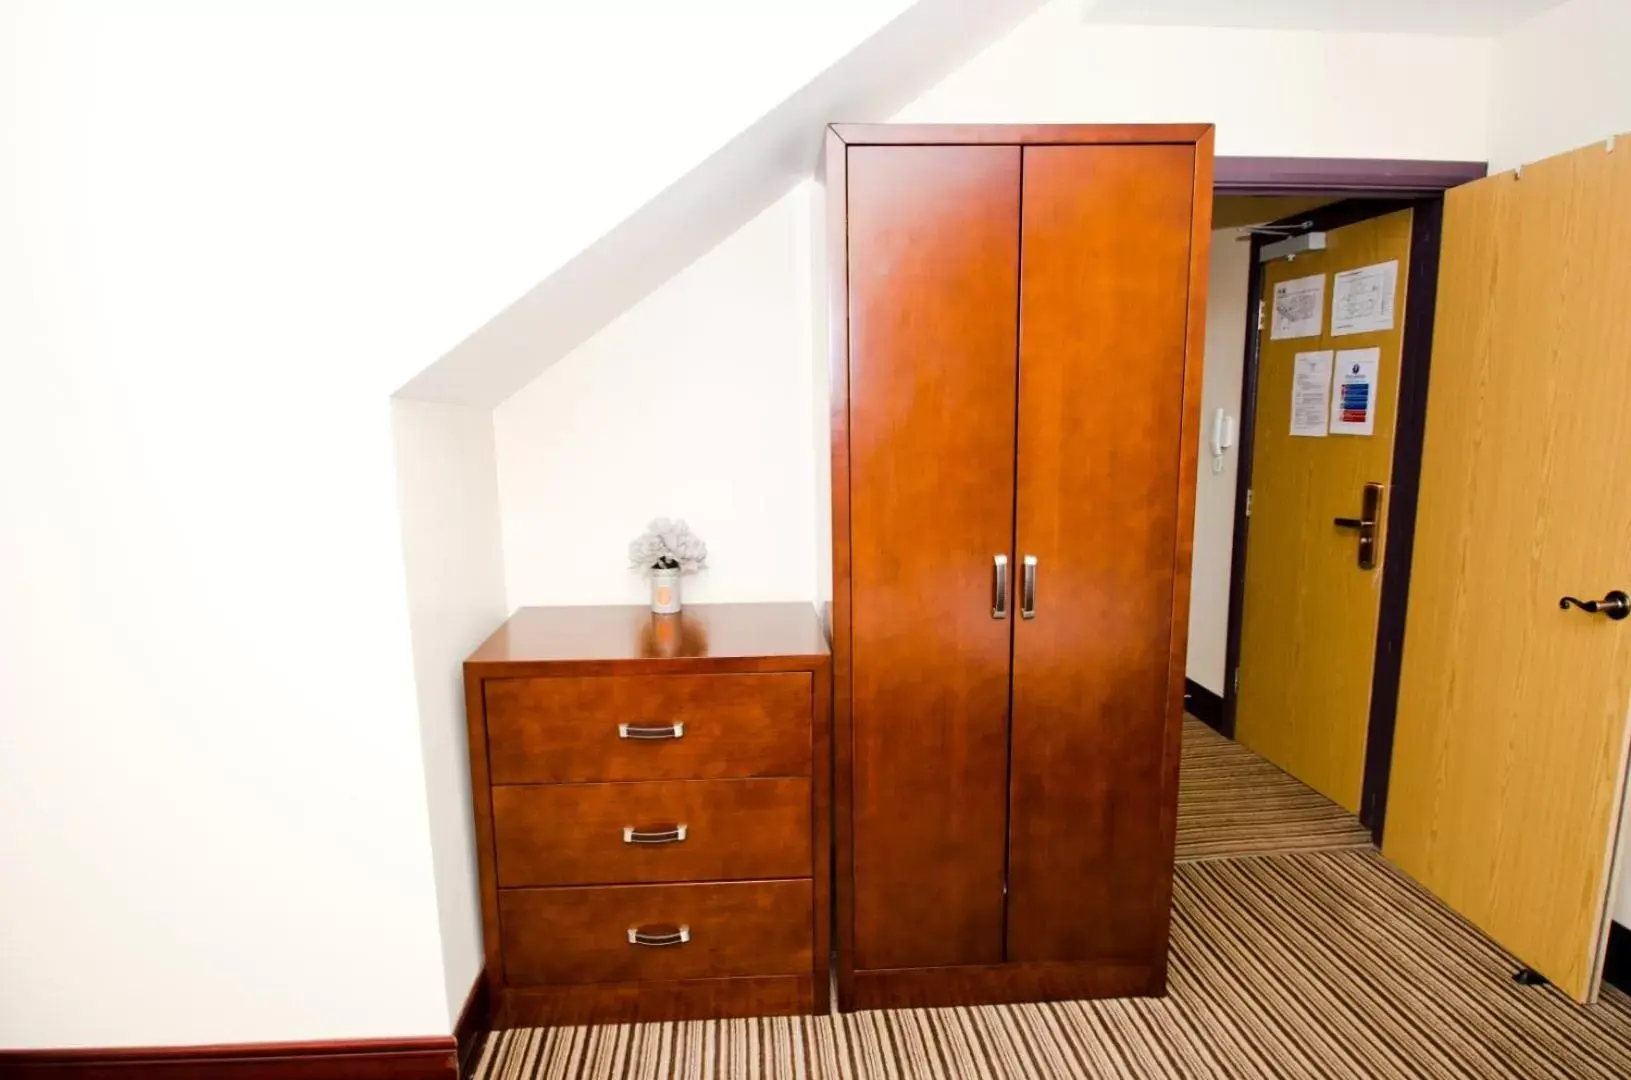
x=665 y=591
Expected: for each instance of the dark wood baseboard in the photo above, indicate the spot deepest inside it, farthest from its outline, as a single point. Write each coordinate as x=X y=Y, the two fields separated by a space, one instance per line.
x=633 y=1003
x=431 y=1058
x=475 y=1021
x=1617 y=957
x=1002 y=984
x=1203 y=705
x=359 y=1059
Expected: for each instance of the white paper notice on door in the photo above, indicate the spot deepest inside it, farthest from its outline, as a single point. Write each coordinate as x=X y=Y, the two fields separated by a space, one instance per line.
x=1310 y=393
x=1362 y=299
x=1353 y=399
x=1299 y=308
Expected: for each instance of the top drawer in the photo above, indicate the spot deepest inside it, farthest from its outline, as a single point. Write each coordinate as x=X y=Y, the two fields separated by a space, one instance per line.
x=617 y=727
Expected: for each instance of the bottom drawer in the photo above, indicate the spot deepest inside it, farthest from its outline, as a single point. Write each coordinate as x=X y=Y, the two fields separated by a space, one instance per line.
x=558 y=936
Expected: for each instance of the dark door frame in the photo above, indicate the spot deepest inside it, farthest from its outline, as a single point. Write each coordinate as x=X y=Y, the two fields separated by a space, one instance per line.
x=1421 y=294
x=1361 y=177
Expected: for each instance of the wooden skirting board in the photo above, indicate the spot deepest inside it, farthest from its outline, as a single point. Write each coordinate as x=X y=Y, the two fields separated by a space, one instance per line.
x=437 y=1057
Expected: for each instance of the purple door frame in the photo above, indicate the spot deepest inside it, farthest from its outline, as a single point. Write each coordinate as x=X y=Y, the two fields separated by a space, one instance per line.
x=1340 y=176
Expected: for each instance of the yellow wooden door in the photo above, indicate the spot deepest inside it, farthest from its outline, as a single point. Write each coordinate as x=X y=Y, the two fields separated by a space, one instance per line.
x=1308 y=627
x=1510 y=749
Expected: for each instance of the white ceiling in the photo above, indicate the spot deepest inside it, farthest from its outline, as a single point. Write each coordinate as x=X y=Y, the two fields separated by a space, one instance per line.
x=1471 y=18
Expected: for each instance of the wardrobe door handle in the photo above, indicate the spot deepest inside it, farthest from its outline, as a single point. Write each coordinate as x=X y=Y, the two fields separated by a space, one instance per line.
x=654 y=834
x=647 y=731
x=660 y=934
x=999 y=587
x=1027 y=588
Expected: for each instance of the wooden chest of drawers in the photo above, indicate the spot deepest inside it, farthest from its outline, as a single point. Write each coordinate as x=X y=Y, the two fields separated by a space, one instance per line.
x=651 y=801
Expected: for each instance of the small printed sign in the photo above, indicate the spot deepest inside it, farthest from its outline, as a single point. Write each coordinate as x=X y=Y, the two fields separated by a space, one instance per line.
x=1362 y=299
x=1310 y=393
x=1299 y=308
x=1353 y=396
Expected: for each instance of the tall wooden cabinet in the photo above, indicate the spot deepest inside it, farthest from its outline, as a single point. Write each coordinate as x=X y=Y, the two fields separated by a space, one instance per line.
x=1018 y=315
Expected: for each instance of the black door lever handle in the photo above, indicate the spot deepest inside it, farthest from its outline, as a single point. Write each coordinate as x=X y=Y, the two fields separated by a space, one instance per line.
x=1616 y=605
x=1370 y=511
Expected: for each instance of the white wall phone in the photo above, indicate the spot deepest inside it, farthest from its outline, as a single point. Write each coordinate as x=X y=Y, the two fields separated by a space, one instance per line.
x=1223 y=437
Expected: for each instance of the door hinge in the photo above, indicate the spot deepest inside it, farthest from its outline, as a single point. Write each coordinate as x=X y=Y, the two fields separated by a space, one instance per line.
x=1237 y=682
x=1248 y=502
x=1260 y=309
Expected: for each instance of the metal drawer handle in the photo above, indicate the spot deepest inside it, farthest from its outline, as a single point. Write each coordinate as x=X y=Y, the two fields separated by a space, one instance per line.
x=651 y=731
x=999 y=586
x=654 y=834
x=1027 y=588
x=659 y=934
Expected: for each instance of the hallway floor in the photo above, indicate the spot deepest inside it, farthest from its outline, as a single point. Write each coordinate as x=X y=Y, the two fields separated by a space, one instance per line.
x=1296 y=952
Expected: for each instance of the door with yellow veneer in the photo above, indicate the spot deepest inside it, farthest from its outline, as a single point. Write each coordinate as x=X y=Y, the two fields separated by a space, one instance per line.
x=1310 y=610
x=1510 y=745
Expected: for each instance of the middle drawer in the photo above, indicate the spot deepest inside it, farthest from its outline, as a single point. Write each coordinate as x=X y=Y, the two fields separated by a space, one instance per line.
x=601 y=834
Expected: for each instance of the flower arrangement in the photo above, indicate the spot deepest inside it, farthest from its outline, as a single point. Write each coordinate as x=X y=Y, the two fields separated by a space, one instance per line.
x=668 y=545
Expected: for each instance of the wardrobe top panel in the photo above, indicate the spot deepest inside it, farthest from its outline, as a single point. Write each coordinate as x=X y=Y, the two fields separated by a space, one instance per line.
x=1012 y=134
x=780 y=636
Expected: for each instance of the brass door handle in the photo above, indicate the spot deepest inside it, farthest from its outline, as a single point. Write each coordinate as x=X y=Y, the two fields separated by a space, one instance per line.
x=654 y=834
x=1370 y=509
x=1616 y=605
x=659 y=934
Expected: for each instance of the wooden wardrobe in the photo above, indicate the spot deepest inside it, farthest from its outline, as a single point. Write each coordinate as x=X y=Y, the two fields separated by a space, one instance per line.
x=1017 y=319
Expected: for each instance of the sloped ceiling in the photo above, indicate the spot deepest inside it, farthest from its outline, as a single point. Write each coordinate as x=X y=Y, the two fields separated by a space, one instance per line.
x=729 y=188
x=1458 y=18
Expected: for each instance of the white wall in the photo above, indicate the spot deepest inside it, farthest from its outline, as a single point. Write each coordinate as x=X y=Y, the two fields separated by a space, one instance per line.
x=1560 y=83
x=821 y=310
x=696 y=403
x=210 y=774
x=226 y=241
x=447 y=487
x=1229 y=278
x=711 y=369
x=1270 y=92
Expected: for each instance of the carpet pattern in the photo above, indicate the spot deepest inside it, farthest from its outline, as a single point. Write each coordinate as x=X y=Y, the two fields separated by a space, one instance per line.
x=1232 y=802
x=1286 y=964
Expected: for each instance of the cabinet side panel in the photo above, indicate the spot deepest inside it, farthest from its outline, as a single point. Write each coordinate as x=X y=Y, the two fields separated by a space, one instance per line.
x=481 y=803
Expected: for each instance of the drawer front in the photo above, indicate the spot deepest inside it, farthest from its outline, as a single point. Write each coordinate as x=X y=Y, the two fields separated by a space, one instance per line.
x=647 y=727
x=563 y=936
x=664 y=830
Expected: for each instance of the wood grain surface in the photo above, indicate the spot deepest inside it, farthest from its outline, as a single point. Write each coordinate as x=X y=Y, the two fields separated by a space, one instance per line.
x=647 y=1002
x=1308 y=626
x=573 y=936
x=997 y=984
x=572 y=834
x=630 y=638
x=934 y=267
x=1015 y=134
x=1104 y=292
x=565 y=730
x=1510 y=748
x=427 y=1058
x=836 y=175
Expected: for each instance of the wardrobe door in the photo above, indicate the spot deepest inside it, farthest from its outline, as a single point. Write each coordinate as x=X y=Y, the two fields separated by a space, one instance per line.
x=1104 y=290
x=933 y=288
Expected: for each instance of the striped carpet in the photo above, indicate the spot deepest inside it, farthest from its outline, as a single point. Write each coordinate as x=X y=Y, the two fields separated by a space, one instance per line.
x=1232 y=802
x=1302 y=963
